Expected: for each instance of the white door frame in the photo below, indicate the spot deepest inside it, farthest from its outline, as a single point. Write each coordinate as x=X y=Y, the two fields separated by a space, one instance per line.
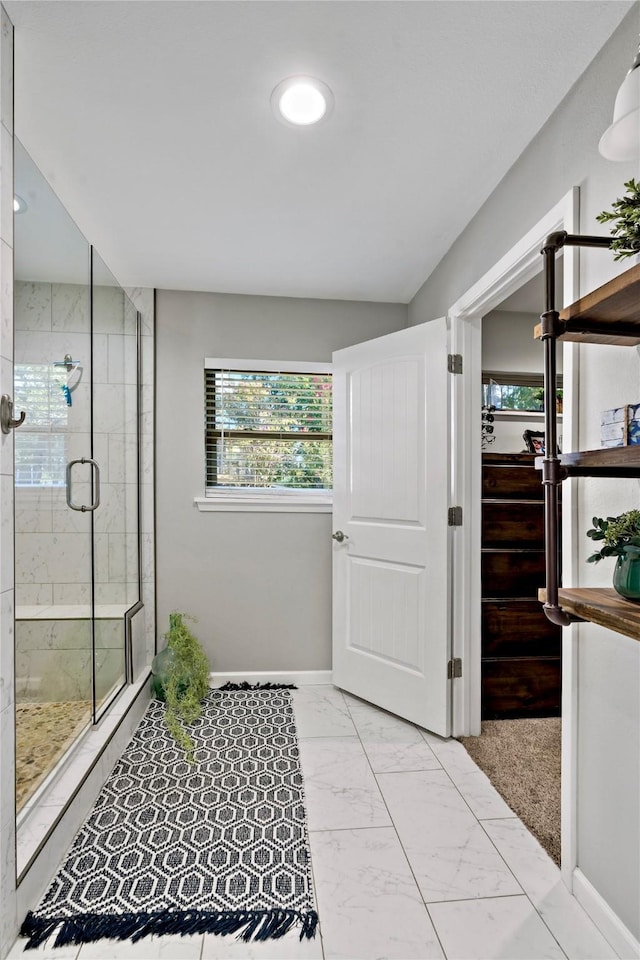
x=515 y=268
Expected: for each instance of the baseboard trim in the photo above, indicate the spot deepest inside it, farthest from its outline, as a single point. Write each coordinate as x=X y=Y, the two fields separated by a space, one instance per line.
x=301 y=678
x=608 y=923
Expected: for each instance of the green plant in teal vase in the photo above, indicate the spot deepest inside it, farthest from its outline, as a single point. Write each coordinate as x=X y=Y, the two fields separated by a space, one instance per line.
x=621 y=539
x=180 y=674
x=625 y=217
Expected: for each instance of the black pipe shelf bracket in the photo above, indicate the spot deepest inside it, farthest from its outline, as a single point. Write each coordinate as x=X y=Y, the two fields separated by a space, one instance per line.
x=553 y=472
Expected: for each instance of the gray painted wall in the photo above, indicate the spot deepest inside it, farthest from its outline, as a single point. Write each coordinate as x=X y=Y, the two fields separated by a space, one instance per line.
x=259 y=583
x=564 y=154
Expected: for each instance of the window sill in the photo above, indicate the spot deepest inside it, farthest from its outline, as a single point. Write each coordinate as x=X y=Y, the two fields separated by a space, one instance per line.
x=263 y=504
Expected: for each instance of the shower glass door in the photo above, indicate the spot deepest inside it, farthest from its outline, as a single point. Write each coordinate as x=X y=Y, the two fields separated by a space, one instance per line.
x=54 y=661
x=76 y=481
x=115 y=436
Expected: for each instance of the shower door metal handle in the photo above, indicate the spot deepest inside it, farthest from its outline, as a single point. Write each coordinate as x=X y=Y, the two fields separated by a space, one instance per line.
x=95 y=466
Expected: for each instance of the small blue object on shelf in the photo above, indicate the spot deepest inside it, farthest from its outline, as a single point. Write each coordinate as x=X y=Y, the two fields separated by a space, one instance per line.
x=67 y=394
x=620 y=427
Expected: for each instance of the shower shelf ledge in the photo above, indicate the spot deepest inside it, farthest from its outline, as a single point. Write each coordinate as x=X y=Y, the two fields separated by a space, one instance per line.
x=71 y=611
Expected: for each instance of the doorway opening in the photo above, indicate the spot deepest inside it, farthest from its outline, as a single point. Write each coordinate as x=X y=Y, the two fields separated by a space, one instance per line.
x=521 y=666
x=512 y=272
x=521 y=649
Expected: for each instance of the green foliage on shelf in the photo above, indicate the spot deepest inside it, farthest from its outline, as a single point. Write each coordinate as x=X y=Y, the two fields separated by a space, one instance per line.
x=625 y=216
x=617 y=533
x=186 y=683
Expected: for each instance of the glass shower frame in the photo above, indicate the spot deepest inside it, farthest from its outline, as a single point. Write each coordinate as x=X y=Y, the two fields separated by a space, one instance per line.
x=64 y=626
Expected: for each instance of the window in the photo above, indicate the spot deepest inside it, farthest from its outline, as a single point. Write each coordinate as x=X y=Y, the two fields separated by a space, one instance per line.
x=516 y=391
x=40 y=443
x=268 y=428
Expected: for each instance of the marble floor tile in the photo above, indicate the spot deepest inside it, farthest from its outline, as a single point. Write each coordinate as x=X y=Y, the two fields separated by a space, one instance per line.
x=320 y=711
x=45 y=952
x=286 y=948
x=433 y=739
x=392 y=756
x=149 y=948
x=502 y=928
x=451 y=754
x=450 y=854
x=341 y=791
x=391 y=744
x=482 y=797
x=539 y=877
x=473 y=784
x=368 y=901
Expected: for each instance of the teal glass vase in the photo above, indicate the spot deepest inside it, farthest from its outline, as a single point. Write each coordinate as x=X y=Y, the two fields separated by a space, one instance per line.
x=626 y=575
x=160 y=667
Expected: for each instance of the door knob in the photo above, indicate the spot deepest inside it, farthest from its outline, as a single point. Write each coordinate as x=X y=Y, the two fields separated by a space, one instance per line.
x=339 y=536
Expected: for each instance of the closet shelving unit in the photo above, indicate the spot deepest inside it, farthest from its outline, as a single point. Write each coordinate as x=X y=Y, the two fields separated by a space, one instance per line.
x=608 y=315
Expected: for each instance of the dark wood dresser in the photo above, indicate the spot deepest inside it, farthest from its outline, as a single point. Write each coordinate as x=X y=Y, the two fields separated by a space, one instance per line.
x=521 y=663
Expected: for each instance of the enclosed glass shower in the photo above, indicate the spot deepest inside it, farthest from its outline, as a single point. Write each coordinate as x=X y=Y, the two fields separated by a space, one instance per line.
x=77 y=547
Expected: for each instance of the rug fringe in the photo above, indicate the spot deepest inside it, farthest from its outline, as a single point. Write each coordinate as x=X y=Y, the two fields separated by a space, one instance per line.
x=244 y=685
x=88 y=928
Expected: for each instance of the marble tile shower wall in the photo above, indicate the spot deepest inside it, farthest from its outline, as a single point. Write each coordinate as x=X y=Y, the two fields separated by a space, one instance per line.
x=53 y=548
x=8 y=913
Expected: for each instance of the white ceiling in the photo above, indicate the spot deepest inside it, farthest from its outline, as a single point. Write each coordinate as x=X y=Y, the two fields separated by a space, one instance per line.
x=152 y=122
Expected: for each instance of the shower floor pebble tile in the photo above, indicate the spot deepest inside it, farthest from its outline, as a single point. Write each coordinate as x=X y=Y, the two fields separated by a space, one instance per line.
x=372 y=849
x=44 y=731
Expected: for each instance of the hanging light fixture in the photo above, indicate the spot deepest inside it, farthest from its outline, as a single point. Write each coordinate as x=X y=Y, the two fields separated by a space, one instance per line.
x=621 y=141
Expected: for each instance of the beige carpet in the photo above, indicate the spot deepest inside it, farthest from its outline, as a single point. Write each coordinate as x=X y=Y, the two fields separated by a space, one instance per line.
x=522 y=760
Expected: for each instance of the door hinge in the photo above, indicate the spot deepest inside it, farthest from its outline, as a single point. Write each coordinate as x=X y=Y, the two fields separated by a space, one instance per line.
x=454 y=516
x=454 y=668
x=454 y=362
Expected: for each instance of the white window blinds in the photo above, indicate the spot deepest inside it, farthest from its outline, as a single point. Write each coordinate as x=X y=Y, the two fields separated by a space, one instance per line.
x=268 y=429
x=40 y=443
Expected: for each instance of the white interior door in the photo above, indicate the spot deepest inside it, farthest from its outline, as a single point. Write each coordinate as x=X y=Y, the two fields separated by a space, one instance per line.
x=391 y=592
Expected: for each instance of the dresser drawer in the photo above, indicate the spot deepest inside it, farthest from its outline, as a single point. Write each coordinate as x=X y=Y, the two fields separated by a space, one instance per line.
x=512 y=573
x=524 y=483
x=527 y=687
x=512 y=522
x=518 y=628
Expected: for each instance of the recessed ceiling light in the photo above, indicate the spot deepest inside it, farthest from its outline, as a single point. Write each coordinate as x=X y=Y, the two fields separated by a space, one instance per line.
x=301 y=101
x=19 y=205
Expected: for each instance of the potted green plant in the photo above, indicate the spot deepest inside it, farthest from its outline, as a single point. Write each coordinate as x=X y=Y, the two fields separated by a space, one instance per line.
x=621 y=539
x=625 y=216
x=180 y=674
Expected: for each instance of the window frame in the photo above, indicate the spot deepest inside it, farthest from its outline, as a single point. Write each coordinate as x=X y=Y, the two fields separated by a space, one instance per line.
x=40 y=431
x=266 y=499
x=512 y=379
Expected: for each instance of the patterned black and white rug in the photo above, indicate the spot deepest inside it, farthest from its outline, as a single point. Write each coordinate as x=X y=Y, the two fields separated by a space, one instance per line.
x=219 y=846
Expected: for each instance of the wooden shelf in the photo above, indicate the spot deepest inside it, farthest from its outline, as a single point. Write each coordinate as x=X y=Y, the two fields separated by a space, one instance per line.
x=505 y=459
x=609 y=315
x=601 y=605
x=605 y=462
x=520 y=415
